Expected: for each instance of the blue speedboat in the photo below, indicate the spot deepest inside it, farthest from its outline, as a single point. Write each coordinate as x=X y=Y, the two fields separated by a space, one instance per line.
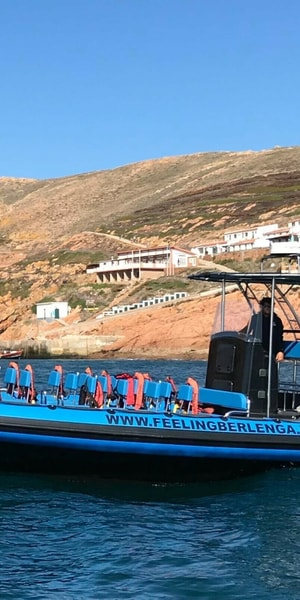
x=245 y=419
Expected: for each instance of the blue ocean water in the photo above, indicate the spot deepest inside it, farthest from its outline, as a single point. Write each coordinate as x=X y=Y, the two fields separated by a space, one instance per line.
x=68 y=538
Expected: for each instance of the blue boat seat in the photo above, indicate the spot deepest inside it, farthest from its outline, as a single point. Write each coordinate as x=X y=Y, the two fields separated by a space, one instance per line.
x=230 y=400
x=25 y=385
x=71 y=382
x=25 y=379
x=122 y=387
x=10 y=376
x=54 y=379
x=165 y=394
x=185 y=392
x=91 y=382
x=152 y=389
x=10 y=379
x=165 y=389
x=71 y=395
x=152 y=394
x=183 y=399
x=82 y=377
x=51 y=396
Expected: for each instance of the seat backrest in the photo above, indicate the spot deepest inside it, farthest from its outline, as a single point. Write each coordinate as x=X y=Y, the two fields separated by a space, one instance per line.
x=25 y=379
x=10 y=375
x=113 y=382
x=54 y=378
x=91 y=382
x=122 y=387
x=230 y=400
x=185 y=392
x=165 y=389
x=71 y=382
x=152 y=389
x=82 y=377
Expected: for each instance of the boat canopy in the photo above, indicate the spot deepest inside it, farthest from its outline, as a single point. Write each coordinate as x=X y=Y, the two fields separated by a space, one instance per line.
x=253 y=286
x=290 y=279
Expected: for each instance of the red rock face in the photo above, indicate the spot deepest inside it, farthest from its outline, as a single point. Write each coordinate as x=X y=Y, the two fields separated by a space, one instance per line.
x=181 y=330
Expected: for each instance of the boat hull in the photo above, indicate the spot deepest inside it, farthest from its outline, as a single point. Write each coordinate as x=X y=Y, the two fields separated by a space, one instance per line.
x=149 y=446
x=109 y=465
x=11 y=354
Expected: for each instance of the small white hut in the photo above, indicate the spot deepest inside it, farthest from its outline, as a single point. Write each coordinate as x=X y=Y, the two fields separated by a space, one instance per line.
x=52 y=310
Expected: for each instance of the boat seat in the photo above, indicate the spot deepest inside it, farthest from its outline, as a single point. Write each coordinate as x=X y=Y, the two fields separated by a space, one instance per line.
x=91 y=382
x=113 y=382
x=10 y=379
x=165 y=389
x=110 y=398
x=152 y=393
x=232 y=401
x=185 y=392
x=183 y=398
x=25 y=384
x=54 y=379
x=71 y=385
x=10 y=376
x=71 y=382
x=165 y=394
x=82 y=377
x=121 y=389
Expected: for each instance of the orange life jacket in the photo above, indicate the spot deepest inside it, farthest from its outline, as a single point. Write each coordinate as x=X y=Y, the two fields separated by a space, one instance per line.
x=99 y=396
x=195 y=387
x=61 y=383
x=10 y=387
x=109 y=385
x=139 y=396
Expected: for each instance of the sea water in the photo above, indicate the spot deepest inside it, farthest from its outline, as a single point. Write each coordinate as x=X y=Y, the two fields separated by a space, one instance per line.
x=69 y=538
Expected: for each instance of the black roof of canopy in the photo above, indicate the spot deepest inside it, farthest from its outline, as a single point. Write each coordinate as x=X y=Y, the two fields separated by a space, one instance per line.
x=264 y=278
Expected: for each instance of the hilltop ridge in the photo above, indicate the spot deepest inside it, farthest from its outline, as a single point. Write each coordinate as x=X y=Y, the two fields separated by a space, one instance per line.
x=180 y=197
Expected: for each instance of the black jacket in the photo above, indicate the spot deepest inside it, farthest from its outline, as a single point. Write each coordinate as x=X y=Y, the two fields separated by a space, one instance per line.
x=260 y=328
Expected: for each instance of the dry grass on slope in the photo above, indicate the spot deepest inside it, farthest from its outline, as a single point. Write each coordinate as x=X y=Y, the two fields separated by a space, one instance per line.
x=48 y=210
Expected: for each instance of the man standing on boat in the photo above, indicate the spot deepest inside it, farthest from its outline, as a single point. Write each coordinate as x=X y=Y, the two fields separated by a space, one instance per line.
x=260 y=327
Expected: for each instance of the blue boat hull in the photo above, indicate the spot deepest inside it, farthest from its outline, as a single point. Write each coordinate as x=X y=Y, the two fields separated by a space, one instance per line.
x=142 y=445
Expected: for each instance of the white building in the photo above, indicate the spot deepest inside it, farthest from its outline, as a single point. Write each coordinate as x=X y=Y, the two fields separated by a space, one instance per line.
x=240 y=239
x=52 y=310
x=143 y=263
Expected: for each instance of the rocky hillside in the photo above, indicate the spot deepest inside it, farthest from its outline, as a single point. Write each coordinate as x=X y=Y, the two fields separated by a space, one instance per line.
x=179 y=199
x=50 y=230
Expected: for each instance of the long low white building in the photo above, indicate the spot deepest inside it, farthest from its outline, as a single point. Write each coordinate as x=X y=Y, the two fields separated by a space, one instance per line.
x=142 y=263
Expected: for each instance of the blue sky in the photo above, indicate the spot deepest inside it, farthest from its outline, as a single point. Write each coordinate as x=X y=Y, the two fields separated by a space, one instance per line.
x=88 y=85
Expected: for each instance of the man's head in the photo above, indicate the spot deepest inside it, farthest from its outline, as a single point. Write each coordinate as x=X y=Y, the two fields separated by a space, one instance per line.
x=265 y=304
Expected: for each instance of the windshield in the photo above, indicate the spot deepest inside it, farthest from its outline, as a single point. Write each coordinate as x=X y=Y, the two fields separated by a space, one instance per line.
x=238 y=316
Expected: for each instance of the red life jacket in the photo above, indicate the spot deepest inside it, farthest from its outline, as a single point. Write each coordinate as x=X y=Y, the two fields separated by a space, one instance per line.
x=99 y=396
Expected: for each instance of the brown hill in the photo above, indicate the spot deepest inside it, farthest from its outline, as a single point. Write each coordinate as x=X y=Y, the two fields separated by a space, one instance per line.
x=178 y=198
x=50 y=230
